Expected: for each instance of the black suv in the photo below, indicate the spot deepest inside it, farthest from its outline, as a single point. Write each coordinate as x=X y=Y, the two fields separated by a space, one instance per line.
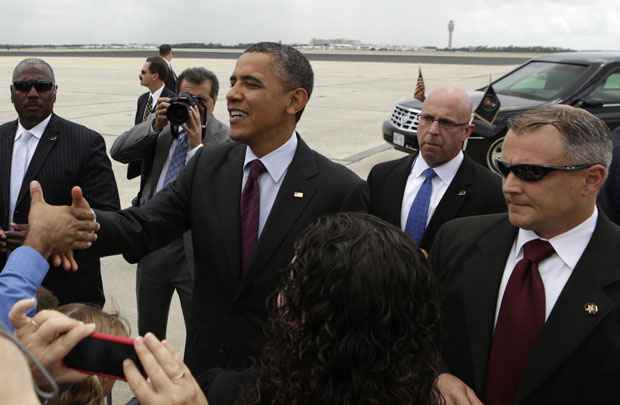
x=590 y=80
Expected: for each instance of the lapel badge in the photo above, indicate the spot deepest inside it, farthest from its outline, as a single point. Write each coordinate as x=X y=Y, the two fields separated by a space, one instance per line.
x=53 y=138
x=591 y=308
x=461 y=193
x=298 y=194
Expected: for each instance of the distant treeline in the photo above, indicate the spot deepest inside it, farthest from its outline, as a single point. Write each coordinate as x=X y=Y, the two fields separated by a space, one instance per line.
x=510 y=48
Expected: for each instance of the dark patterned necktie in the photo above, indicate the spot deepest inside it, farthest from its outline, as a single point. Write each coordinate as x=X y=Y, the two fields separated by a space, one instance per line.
x=148 y=109
x=519 y=325
x=250 y=213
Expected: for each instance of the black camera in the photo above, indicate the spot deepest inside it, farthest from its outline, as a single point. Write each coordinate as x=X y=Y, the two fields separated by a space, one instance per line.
x=178 y=111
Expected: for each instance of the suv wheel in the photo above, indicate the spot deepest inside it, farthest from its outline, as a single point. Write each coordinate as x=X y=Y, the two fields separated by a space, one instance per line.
x=495 y=151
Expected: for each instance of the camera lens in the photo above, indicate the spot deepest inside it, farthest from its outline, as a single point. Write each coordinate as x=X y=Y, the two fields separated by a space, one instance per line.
x=177 y=113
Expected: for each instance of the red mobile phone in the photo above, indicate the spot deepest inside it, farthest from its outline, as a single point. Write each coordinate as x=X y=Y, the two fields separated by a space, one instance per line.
x=103 y=354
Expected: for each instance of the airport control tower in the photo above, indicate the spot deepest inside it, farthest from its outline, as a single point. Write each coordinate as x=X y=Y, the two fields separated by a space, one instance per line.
x=450 y=31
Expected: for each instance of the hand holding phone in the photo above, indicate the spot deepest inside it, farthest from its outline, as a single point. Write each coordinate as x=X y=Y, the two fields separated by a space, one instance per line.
x=103 y=354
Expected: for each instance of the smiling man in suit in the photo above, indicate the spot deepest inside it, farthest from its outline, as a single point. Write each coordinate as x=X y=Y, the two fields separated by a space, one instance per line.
x=420 y=192
x=58 y=153
x=531 y=311
x=246 y=202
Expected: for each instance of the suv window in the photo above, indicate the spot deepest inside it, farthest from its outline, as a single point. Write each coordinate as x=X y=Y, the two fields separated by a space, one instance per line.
x=544 y=81
x=609 y=91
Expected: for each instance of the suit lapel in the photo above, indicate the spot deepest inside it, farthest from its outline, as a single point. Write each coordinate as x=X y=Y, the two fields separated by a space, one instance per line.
x=7 y=139
x=48 y=141
x=452 y=201
x=392 y=199
x=227 y=197
x=162 y=150
x=287 y=207
x=486 y=266
x=568 y=324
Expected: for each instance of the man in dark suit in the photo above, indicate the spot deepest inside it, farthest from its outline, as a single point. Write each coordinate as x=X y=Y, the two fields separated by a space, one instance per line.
x=400 y=192
x=153 y=142
x=245 y=203
x=59 y=154
x=165 y=51
x=531 y=311
x=153 y=76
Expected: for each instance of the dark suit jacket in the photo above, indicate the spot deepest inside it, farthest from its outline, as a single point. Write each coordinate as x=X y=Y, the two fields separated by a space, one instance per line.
x=228 y=309
x=68 y=154
x=475 y=190
x=137 y=167
x=578 y=358
x=171 y=82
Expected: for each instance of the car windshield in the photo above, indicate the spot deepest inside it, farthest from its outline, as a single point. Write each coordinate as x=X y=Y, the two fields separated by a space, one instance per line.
x=543 y=81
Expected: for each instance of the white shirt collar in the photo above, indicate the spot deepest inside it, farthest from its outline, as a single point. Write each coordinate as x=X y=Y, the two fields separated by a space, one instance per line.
x=276 y=162
x=444 y=172
x=569 y=245
x=157 y=92
x=36 y=131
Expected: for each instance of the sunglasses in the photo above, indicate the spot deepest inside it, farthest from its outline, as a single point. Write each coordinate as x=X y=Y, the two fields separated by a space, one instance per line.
x=40 y=85
x=532 y=173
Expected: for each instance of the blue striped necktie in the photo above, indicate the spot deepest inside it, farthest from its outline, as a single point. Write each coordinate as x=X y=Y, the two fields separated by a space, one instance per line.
x=177 y=160
x=418 y=213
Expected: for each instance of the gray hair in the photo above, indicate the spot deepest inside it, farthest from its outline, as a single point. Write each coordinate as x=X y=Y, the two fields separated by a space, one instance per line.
x=586 y=138
x=33 y=62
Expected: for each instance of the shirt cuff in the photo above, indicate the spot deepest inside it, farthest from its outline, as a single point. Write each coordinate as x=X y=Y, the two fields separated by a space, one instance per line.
x=191 y=153
x=29 y=261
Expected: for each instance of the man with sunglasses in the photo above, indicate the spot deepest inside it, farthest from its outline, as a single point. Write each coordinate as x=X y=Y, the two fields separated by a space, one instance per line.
x=532 y=307
x=163 y=154
x=420 y=192
x=42 y=146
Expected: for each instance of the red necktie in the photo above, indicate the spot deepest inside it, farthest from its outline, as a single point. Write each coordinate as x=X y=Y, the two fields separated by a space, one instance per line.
x=250 y=213
x=519 y=325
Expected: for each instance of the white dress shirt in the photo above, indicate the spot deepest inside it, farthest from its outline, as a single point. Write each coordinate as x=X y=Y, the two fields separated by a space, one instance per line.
x=276 y=164
x=173 y=145
x=557 y=268
x=24 y=146
x=155 y=96
x=444 y=176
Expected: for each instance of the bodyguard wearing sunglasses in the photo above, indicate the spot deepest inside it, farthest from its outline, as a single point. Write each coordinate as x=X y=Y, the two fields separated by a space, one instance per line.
x=531 y=313
x=42 y=146
x=420 y=192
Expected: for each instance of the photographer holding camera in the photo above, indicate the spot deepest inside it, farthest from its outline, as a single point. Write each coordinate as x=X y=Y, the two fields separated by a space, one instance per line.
x=165 y=142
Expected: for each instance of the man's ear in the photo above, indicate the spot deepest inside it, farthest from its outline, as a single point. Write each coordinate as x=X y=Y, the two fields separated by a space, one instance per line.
x=297 y=101
x=594 y=179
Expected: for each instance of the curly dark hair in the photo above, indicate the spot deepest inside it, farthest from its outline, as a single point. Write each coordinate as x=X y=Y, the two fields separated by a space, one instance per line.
x=354 y=320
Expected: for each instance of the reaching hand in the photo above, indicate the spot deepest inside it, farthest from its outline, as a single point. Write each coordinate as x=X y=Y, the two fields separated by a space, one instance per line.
x=161 y=120
x=57 y=230
x=49 y=336
x=456 y=392
x=169 y=380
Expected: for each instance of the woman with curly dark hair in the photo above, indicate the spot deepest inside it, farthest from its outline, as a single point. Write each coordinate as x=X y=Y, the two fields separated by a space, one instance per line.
x=353 y=323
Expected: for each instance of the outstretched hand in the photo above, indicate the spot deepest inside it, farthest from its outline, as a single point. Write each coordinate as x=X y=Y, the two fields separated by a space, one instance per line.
x=57 y=230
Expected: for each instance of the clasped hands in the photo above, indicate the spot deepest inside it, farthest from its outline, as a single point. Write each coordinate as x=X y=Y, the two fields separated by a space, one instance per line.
x=54 y=231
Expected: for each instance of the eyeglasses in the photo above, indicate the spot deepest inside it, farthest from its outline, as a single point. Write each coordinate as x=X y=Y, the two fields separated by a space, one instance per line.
x=531 y=173
x=40 y=86
x=444 y=123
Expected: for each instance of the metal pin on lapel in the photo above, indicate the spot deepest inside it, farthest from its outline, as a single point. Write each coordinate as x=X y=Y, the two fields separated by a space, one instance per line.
x=461 y=193
x=591 y=308
x=298 y=194
x=53 y=138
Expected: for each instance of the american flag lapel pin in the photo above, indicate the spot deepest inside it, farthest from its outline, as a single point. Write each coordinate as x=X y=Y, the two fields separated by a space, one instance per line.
x=298 y=194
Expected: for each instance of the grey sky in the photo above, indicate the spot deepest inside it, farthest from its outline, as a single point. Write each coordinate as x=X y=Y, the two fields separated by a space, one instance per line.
x=567 y=23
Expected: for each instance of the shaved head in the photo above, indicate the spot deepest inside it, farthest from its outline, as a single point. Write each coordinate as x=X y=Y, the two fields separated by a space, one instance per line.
x=456 y=98
x=34 y=63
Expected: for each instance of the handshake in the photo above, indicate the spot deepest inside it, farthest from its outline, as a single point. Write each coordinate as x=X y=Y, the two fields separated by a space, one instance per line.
x=54 y=231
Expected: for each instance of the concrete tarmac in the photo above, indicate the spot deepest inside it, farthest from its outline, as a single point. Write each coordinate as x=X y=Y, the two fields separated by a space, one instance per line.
x=342 y=121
